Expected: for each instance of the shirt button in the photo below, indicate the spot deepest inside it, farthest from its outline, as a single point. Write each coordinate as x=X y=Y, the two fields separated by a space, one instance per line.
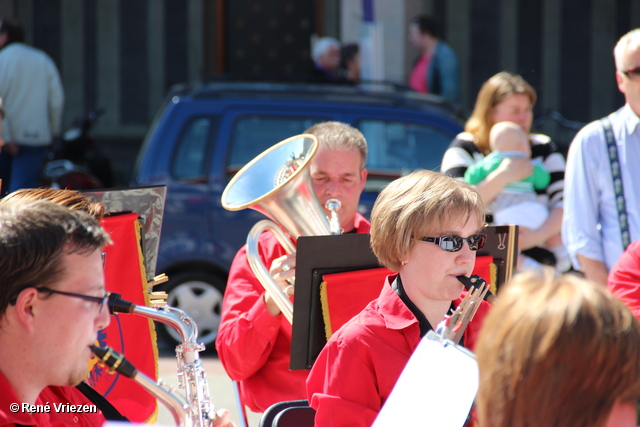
x=75 y=419
x=273 y=328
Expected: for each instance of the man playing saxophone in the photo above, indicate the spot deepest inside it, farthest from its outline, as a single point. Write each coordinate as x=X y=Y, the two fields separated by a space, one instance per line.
x=254 y=338
x=52 y=305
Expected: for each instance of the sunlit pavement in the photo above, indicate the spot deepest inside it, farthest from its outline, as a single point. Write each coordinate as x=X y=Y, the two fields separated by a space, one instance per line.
x=220 y=387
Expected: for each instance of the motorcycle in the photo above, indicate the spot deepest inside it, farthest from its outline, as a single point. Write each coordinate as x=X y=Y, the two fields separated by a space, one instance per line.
x=75 y=161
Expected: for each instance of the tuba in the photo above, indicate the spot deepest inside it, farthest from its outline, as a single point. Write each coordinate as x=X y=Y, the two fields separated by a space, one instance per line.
x=277 y=184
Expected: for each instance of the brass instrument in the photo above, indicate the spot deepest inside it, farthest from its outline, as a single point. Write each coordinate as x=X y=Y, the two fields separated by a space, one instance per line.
x=116 y=362
x=277 y=183
x=191 y=375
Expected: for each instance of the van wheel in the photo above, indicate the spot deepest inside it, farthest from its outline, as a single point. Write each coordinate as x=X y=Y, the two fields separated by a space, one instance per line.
x=199 y=294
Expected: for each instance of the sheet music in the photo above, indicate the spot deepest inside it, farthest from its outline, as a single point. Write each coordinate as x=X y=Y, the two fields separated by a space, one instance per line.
x=436 y=388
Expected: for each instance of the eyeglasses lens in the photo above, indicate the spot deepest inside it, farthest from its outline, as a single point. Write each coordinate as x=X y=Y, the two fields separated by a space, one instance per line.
x=454 y=243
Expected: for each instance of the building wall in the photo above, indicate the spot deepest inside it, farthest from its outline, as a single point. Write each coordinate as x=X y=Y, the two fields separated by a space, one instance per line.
x=123 y=55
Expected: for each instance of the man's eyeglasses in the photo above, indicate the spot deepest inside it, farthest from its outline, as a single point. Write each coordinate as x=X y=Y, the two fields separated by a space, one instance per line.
x=632 y=73
x=98 y=300
x=454 y=243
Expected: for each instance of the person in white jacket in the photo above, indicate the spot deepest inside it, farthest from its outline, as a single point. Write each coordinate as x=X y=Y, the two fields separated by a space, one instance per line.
x=33 y=96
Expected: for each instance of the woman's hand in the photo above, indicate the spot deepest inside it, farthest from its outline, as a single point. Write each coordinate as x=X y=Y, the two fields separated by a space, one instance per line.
x=514 y=169
x=510 y=170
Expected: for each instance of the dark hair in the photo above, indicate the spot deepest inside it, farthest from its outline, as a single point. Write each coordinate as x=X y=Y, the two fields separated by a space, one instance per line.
x=426 y=24
x=347 y=54
x=13 y=30
x=34 y=237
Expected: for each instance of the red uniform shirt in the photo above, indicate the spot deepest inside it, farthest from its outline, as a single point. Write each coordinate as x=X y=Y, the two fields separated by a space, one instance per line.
x=253 y=346
x=9 y=416
x=624 y=279
x=357 y=369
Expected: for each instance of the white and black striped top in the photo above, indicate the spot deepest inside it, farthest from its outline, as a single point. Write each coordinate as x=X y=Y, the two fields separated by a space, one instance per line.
x=463 y=152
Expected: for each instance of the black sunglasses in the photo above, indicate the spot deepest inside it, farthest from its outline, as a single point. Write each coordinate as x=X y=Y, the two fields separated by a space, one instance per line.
x=454 y=243
x=98 y=300
x=633 y=73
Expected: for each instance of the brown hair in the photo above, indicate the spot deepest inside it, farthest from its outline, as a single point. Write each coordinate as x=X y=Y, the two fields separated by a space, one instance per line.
x=493 y=92
x=67 y=198
x=340 y=136
x=34 y=237
x=556 y=352
x=414 y=205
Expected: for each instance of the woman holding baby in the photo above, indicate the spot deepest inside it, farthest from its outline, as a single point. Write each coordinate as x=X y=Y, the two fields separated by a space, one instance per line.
x=507 y=97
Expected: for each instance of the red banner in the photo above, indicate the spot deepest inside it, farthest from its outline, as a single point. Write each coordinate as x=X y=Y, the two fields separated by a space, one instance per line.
x=131 y=335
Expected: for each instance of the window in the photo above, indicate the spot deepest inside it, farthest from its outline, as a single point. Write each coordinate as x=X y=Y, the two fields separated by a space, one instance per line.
x=189 y=160
x=403 y=146
x=254 y=134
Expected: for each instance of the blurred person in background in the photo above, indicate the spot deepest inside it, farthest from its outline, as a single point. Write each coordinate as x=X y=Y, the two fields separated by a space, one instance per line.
x=508 y=97
x=601 y=218
x=436 y=69
x=33 y=96
x=326 y=60
x=350 y=62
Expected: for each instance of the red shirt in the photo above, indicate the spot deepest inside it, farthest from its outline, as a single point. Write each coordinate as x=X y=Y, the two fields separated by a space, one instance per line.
x=624 y=278
x=253 y=346
x=10 y=418
x=418 y=77
x=357 y=369
x=72 y=395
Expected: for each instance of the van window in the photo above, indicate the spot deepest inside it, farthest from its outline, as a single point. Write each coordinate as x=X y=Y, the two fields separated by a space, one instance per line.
x=254 y=134
x=189 y=159
x=403 y=146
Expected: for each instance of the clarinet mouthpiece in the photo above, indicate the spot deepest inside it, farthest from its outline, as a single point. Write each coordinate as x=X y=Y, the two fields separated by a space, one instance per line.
x=474 y=282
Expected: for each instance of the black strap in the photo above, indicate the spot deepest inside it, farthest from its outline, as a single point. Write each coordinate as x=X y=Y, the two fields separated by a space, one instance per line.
x=612 y=150
x=108 y=410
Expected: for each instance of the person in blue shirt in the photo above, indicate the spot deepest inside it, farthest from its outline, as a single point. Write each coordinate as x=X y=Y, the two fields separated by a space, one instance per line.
x=436 y=69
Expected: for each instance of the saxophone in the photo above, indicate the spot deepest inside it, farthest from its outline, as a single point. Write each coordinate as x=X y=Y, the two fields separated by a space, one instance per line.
x=191 y=375
x=116 y=362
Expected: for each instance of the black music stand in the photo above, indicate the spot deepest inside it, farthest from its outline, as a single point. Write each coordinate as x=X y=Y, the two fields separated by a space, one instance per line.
x=315 y=257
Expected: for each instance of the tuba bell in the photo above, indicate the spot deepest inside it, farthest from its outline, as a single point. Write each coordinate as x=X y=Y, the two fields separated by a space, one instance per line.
x=277 y=183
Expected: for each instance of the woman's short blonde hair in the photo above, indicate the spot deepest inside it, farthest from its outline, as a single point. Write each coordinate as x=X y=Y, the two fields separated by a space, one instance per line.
x=414 y=206
x=556 y=352
x=493 y=92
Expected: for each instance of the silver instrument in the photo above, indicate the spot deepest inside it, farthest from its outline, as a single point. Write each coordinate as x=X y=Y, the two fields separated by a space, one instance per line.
x=191 y=375
x=116 y=362
x=277 y=183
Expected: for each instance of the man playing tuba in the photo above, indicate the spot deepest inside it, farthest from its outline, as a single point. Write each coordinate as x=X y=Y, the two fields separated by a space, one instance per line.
x=254 y=338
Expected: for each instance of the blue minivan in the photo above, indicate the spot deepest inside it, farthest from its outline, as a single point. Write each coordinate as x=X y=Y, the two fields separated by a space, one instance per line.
x=205 y=132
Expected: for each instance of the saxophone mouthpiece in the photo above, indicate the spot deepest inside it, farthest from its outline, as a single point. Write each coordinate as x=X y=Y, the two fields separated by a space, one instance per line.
x=475 y=282
x=119 y=305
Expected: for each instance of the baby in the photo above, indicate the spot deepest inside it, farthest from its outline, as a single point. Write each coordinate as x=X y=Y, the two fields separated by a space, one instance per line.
x=518 y=203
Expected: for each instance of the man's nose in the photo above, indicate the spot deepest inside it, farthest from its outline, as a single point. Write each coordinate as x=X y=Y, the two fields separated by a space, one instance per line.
x=104 y=318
